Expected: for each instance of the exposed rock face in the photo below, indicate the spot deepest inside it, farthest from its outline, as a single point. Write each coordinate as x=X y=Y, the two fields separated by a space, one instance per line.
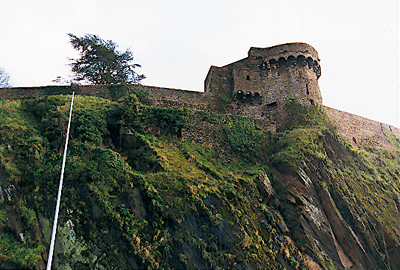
x=332 y=240
x=192 y=200
x=265 y=185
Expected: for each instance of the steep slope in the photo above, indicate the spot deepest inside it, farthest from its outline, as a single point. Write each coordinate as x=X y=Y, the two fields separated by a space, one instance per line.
x=157 y=188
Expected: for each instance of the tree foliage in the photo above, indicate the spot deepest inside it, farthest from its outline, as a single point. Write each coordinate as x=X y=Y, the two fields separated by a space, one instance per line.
x=244 y=136
x=299 y=116
x=4 y=79
x=101 y=63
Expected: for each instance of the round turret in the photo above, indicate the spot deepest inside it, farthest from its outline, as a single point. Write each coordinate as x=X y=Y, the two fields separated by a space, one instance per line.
x=289 y=54
x=261 y=83
x=270 y=76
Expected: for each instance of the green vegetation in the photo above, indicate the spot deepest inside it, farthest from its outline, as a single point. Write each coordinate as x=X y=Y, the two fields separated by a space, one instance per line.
x=300 y=116
x=140 y=197
x=297 y=145
x=244 y=137
x=101 y=63
x=118 y=91
x=4 y=78
x=185 y=196
x=20 y=254
x=161 y=121
x=212 y=117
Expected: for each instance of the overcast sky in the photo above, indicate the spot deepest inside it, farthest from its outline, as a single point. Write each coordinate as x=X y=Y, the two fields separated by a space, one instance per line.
x=176 y=41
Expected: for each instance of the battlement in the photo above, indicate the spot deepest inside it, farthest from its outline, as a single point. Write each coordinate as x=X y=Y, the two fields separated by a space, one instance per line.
x=257 y=86
x=287 y=55
x=260 y=84
x=270 y=76
x=284 y=50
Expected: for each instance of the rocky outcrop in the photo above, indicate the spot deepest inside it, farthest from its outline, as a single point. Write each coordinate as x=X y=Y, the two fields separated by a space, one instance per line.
x=191 y=200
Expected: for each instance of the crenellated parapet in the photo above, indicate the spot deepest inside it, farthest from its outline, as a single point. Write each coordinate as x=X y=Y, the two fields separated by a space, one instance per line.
x=287 y=55
x=261 y=83
x=257 y=86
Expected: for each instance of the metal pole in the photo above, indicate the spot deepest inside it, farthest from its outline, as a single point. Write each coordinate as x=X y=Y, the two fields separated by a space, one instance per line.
x=53 y=235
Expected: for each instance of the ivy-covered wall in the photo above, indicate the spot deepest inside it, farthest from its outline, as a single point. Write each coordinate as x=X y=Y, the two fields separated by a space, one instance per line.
x=355 y=129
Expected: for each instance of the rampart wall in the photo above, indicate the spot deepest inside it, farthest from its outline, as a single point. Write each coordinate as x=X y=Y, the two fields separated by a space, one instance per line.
x=21 y=93
x=167 y=97
x=159 y=96
x=257 y=86
x=269 y=76
x=361 y=131
x=357 y=130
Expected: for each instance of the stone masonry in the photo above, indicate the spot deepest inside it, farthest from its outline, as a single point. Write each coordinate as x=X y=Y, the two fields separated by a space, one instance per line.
x=269 y=76
x=260 y=84
x=256 y=86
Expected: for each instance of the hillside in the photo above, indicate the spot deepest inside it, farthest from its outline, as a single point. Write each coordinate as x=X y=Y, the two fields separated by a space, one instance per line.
x=164 y=188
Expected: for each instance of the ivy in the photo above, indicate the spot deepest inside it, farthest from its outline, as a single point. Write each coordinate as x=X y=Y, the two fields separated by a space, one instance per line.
x=167 y=203
x=299 y=115
x=22 y=255
x=244 y=136
x=164 y=121
x=90 y=125
x=169 y=121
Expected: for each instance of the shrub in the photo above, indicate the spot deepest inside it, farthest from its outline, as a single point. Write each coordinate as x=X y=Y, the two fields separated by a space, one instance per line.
x=90 y=125
x=243 y=136
x=299 y=115
x=168 y=120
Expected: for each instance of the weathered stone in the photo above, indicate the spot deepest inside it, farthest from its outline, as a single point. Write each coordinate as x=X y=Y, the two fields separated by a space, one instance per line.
x=265 y=185
x=282 y=223
x=256 y=86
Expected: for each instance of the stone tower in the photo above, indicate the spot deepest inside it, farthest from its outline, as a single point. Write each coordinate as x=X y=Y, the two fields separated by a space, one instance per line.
x=268 y=77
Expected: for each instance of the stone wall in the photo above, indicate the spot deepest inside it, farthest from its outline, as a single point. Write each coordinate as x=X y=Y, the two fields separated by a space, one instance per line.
x=270 y=76
x=256 y=86
x=162 y=97
x=21 y=93
x=356 y=129
x=167 y=97
x=361 y=131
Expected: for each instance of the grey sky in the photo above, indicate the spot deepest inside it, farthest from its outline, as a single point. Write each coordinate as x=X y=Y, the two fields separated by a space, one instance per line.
x=176 y=41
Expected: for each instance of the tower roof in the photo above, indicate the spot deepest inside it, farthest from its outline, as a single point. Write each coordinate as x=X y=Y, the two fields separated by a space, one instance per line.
x=285 y=50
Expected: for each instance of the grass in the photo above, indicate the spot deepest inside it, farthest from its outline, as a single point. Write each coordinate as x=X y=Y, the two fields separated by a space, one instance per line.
x=175 y=204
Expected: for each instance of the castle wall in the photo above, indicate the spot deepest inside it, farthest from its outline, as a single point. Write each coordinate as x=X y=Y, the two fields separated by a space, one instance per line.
x=21 y=93
x=276 y=84
x=357 y=130
x=285 y=50
x=259 y=85
x=266 y=79
x=167 y=97
x=256 y=86
x=361 y=131
x=162 y=97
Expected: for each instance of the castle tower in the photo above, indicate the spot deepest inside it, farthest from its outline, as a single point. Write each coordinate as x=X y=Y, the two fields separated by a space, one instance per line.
x=268 y=77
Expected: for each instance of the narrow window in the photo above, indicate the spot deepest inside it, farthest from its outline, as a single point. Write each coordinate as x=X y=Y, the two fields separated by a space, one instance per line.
x=312 y=101
x=248 y=77
x=301 y=61
x=310 y=62
x=240 y=95
x=282 y=62
x=307 y=89
x=291 y=60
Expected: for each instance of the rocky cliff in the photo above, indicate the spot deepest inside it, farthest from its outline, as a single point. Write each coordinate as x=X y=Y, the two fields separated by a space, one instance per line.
x=165 y=188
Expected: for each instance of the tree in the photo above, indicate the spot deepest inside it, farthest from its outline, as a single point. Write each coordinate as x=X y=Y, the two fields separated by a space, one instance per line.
x=101 y=63
x=4 y=79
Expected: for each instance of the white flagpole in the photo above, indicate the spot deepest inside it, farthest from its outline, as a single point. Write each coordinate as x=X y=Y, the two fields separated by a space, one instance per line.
x=53 y=235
